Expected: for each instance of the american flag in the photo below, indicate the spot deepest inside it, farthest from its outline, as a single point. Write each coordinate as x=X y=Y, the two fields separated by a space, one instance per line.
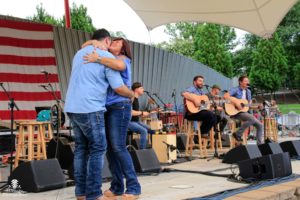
x=25 y=50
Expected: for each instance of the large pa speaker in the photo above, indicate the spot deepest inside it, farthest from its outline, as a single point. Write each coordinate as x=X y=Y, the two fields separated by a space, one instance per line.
x=241 y=153
x=270 y=148
x=65 y=151
x=105 y=170
x=293 y=147
x=145 y=160
x=38 y=175
x=266 y=167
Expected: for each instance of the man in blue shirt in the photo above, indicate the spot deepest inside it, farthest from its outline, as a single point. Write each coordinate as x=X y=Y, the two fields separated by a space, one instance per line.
x=207 y=117
x=85 y=106
x=242 y=92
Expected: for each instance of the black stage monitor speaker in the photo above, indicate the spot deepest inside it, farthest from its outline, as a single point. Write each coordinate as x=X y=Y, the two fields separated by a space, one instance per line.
x=293 y=147
x=241 y=153
x=270 y=148
x=65 y=153
x=145 y=160
x=38 y=175
x=266 y=167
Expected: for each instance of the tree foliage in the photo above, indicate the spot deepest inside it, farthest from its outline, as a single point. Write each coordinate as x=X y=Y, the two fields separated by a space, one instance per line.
x=208 y=43
x=269 y=65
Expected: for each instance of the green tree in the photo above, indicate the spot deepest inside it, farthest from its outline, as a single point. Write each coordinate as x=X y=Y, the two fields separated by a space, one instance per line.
x=212 y=50
x=269 y=65
x=44 y=17
x=118 y=34
x=80 y=20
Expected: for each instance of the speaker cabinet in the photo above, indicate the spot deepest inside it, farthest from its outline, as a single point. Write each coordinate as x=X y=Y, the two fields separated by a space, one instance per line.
x=241 y=153
x=65 y=151
x=39 y=175
x=293 y=147
x=270 y=148
x=145 y=160
x=266 y=167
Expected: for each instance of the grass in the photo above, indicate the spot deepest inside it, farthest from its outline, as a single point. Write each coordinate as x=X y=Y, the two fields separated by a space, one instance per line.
x=286 y=108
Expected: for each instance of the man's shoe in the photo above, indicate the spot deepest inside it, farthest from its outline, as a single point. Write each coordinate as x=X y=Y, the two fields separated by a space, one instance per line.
x=103 y=197
x=80 y=198
x=237 y=137
x=110 y=194
x=129 y=197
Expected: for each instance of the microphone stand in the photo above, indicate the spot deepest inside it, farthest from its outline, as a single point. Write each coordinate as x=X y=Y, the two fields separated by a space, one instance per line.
x=58 y=110
x=165 y=106
x=176 y=110
x=11 y=105
x=148 y=94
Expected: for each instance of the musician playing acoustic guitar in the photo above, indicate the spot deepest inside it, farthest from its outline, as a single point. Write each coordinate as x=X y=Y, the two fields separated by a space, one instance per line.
x=203 y=114
x=242 y=92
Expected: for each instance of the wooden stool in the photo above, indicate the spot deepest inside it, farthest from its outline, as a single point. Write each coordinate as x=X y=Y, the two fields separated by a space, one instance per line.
x=212 y=139
x=233 y=129
x=271 y=131
x=202 y=142
x=30 y=146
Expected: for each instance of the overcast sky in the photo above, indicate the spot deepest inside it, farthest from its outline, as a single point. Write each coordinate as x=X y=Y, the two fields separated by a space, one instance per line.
x=114 y=15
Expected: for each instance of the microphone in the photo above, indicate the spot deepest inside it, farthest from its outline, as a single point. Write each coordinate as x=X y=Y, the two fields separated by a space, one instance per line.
x=206 y=86
x=171 y=146
x=44 y=72
x=146 y=91
x=174 y=93
x=43 y=86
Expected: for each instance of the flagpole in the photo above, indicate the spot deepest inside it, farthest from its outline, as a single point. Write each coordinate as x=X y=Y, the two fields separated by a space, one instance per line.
x=67 y=14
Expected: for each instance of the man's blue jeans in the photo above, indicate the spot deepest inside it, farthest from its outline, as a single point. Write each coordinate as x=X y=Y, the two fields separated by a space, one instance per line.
x=90 y=147
x=143 y=130
x=120 y=163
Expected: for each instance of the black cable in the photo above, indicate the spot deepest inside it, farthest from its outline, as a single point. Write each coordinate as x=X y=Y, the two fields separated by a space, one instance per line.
x=195 y=172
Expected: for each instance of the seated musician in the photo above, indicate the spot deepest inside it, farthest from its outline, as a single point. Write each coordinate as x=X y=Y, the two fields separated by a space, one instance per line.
x=242 y=92
x=221 y=117
x=135 y=125
x=206 y=116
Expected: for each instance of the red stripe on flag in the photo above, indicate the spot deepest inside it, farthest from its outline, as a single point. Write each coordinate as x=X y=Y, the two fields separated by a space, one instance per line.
x=30 y=96
x=22 y=114
x=25 y=25
x=23 y=60
x=26 y=43
x=28 y=78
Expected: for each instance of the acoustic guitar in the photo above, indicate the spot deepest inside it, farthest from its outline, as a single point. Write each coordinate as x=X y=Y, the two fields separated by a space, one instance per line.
x=204 y=103
x=232 y=103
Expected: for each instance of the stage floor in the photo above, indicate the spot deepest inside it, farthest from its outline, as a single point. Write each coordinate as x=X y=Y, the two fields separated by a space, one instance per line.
x=163 y=186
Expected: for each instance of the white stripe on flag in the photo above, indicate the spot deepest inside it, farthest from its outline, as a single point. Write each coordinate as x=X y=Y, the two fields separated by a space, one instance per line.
x=22 y=34
x=30 y=52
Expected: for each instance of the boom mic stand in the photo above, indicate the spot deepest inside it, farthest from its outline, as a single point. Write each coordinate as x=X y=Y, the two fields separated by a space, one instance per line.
x=165 y=105
x=58 y=110
x=11 y=105
x=176 y=110
x=148 y=94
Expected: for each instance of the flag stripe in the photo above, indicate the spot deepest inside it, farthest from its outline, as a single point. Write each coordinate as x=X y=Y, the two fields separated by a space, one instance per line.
x=22 y=60
x=28 y=87
x=26 y=49
x=27 y=69
x=31 y=35
x=28 y=78
x=9 y=41
x=30 y=96
x=27 y=105
x=25 y=25
x=26 y=52
x=20 y=115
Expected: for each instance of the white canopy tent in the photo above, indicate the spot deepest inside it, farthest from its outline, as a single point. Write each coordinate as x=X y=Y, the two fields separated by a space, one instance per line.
x=260 y=17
